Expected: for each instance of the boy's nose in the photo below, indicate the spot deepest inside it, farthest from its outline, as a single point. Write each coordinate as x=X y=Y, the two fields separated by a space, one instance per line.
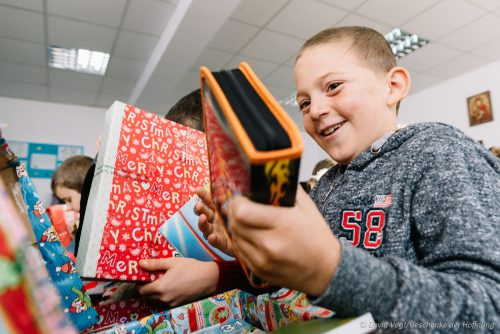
x=319 y=109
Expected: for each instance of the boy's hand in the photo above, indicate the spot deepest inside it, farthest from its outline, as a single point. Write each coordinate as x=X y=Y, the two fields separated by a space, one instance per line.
x=291 y=247
x=210 y=225
x=185 y=280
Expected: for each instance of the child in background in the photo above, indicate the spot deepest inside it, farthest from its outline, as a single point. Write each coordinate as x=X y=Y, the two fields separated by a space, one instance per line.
x=322 y=167
x=415 y=212
x=68 y=178
x=67 y=182
x=319 y=169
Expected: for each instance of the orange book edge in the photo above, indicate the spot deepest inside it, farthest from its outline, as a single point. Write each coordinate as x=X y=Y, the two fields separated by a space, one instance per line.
x=291 y=129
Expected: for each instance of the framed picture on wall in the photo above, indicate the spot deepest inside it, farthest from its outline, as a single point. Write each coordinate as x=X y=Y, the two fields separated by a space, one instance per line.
x=479 y=108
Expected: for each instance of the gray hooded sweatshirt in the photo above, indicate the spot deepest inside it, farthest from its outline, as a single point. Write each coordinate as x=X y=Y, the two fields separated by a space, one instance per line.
x=419 y=225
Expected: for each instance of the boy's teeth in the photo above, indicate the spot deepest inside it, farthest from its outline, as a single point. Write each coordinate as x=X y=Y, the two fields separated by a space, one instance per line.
x=332 y=129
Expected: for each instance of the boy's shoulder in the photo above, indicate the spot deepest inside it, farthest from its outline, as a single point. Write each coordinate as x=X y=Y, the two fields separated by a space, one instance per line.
x=434 y=136
x=439 y=142
x=434 y=130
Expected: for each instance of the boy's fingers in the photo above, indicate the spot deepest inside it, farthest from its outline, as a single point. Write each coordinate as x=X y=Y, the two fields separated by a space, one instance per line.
x=250 y=254
x=204 y=195
x=302 y=199
x=213 y=240
x=150 y=288
x=156 y=264
x=201 y=209
x=203 y=222
x=305 y=203
x=198 y=208
x=251 y=214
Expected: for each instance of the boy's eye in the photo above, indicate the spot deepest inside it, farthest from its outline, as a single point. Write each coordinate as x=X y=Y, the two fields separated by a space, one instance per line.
x=332 y=86
x=303 y=105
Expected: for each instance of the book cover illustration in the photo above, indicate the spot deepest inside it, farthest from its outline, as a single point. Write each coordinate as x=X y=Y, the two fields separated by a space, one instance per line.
x=182 y=231
x=148 y=168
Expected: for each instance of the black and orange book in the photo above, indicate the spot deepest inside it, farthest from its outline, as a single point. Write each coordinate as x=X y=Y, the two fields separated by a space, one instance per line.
x=254 y=147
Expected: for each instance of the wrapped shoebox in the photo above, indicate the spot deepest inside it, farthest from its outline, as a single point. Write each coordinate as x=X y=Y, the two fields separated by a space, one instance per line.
x=147 y=169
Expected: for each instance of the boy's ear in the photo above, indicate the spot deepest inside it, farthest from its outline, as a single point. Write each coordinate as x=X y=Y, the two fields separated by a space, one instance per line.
x=399 y=85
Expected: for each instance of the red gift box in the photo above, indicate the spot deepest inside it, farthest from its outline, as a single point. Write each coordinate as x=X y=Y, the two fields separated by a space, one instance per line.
x=147 y=169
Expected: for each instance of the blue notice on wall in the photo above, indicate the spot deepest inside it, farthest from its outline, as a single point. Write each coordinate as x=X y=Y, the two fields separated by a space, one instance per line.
x=41 y=159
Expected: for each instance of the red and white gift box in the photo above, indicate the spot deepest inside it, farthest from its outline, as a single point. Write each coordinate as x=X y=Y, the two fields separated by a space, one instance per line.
x=147 y=168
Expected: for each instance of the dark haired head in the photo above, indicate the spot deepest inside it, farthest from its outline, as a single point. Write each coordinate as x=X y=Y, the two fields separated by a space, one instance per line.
x=188 y=111
x=71 y=172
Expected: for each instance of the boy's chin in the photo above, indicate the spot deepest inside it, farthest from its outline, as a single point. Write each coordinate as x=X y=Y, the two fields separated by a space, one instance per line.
x=344 y=155
x=341 y=158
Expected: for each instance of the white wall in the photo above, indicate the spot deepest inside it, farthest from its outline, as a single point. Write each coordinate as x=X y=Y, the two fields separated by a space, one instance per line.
x=52 y=123
x=447 y=103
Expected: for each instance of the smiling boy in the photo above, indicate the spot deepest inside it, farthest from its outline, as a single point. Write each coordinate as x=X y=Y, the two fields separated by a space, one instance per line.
x=415 y=212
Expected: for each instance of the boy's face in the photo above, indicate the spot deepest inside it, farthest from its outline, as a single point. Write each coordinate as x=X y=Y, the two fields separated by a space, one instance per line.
x=70 y=197
x=343 y=102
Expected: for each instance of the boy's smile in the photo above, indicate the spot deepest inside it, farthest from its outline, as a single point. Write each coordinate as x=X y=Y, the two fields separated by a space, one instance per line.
x=332 y=129
x=344 y=103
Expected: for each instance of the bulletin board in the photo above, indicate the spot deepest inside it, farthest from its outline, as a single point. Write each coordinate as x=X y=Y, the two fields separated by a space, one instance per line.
x=42 y=159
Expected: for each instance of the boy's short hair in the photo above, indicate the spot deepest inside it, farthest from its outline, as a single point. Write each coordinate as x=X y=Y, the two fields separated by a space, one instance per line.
x=71 y=173
x=188 y=111
x=369 y=45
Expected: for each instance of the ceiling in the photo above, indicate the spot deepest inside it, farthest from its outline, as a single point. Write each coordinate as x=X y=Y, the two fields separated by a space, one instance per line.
x=157 y=46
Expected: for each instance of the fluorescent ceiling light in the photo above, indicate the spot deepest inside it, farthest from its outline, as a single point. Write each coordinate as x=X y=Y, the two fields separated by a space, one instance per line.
x=78 y=60
x=403 y=43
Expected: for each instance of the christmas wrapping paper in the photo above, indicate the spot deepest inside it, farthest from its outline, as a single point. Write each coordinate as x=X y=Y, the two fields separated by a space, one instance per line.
x=121 y=312
x=61 y=269
x=234 y=311
x=28 y=301
x=147 y=168
x=279 y=309
x=65 y=221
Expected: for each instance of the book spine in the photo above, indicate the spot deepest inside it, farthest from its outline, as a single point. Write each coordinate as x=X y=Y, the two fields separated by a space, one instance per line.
x=95 y=217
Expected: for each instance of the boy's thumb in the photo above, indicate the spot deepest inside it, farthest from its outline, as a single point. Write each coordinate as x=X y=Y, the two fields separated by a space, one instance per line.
x=155 y=264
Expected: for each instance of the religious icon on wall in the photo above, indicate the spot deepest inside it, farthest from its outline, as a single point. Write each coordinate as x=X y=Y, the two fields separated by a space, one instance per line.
x=479 y=107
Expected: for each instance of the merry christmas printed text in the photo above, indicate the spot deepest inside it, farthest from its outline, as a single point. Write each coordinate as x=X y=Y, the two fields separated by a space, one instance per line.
x=158 y=166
